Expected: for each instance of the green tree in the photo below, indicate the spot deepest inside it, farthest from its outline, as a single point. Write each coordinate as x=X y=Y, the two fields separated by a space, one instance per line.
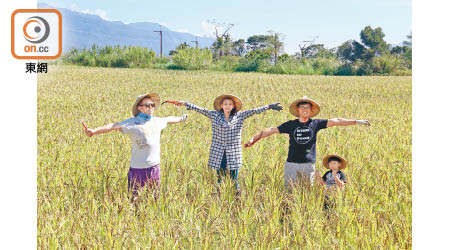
x=409 y=42
x=405 y=53
x=257 y=42
x=350 y=51
x=317 y=51
x=227 y=45
x=255 y=60
x=274 y=44
x=223 y=40
x=284 y=57
x=374 y=40
x=181 y=46
x=238 y=47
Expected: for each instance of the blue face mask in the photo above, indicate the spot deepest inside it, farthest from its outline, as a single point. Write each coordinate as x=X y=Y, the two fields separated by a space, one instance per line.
x=145 y=117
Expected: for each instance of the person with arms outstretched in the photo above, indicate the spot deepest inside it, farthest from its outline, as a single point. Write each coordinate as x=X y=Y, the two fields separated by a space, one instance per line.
x=144 y=130
x=227 y=120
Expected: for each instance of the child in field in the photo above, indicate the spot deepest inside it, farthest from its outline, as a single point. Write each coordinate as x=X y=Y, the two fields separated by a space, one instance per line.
x=227 y=121
x=333 y=178
x=144 y=130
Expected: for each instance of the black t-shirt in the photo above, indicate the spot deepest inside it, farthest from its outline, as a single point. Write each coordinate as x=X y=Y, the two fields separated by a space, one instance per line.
x=329 y=179
x=302 y=139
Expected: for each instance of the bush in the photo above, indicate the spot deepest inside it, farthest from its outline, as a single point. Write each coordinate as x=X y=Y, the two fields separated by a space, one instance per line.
x=386 y=64
x=345 y=70
x=108 y=56
x=287 y=66
x=226 y=63
x=317 y=66
x=192 y=59
x=325 y=66
x=257 y=60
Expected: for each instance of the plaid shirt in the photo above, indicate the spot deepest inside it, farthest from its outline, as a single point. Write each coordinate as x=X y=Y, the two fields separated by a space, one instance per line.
x=226 y=136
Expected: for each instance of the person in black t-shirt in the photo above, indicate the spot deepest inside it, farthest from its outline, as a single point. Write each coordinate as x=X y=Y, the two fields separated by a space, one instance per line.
x=332 y=178
x=302 y=138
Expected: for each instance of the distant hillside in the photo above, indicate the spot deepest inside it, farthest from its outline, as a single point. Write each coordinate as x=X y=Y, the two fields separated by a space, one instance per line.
x=82 y=30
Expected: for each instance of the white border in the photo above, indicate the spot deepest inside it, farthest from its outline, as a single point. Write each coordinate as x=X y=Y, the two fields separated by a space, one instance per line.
x=430 y=113
x=18 y=209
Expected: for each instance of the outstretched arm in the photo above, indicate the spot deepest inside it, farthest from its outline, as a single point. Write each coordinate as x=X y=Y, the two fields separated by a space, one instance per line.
x=100 y=130
x=275 y=106
x=263 y=134
x=191 y=106
x=176 y=119
x=346 y=122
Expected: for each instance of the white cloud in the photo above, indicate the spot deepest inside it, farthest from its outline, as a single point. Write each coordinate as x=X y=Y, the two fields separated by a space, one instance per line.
x=208 y=29
x=97 y=12
x=182 y=30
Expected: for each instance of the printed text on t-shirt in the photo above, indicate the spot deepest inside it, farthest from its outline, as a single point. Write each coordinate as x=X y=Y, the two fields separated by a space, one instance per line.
x=302 y=135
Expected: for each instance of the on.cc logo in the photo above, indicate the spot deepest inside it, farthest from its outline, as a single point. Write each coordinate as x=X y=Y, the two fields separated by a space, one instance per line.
x=36 y=29
x=36 y=34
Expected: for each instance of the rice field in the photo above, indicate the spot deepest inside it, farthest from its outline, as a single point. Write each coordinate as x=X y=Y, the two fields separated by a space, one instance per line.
x=82 y=182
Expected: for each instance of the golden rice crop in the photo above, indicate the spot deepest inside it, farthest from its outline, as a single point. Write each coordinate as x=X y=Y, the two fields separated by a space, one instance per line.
x=82 y=184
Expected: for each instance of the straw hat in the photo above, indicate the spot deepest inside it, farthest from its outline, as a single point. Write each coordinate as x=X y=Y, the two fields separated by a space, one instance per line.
x=236 y=100
x=315 y=107
x=343 y=161
x=153 y=96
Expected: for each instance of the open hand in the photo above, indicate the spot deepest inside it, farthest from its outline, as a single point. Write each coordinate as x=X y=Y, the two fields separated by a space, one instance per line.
x=363 y=122
x=253 y=140
x=276 y=106
x=250 y=143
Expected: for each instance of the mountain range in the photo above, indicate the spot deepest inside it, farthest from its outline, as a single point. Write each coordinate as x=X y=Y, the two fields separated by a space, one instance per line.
x=82 y=30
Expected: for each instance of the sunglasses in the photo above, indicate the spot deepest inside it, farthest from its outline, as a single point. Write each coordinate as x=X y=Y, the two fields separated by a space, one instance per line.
x=148 y=105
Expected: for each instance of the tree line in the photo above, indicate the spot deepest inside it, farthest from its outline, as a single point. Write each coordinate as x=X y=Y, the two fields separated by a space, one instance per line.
x=371 y=55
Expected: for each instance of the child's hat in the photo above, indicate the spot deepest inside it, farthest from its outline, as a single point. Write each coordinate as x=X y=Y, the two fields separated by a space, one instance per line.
x=153 y=96
x=343 y=161
x=236 y=100
x=315 y=107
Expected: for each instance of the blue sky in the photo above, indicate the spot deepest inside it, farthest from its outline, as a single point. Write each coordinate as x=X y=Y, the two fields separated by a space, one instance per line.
x=330 y=22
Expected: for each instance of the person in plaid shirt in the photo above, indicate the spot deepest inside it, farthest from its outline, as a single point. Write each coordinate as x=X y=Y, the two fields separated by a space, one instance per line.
x=227 y=121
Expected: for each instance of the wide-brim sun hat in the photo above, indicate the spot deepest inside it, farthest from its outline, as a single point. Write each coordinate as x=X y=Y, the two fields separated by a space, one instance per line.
x=315 y=107
x=154 y=96
x=343 y=161
x=236 y=100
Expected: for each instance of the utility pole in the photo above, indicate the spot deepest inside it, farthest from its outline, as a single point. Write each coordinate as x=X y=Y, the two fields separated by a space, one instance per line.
x=160 y=38
x=196 y=42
